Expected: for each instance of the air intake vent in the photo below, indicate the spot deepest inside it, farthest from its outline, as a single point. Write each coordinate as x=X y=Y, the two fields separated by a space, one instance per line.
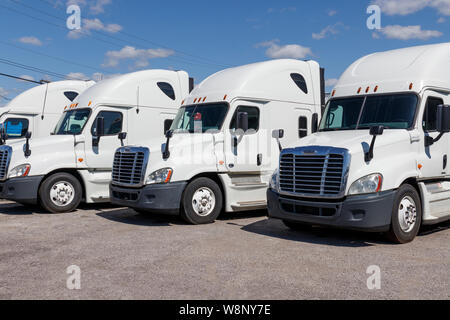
x=5 y=157
x=313 y=174
x=129 y=166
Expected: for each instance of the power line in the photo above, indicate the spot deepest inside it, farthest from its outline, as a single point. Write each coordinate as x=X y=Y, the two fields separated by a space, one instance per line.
x=19 y=78
x=38 y=70
x=178 y=59
x=6 y=98
x=200 y=58
x=52 y=57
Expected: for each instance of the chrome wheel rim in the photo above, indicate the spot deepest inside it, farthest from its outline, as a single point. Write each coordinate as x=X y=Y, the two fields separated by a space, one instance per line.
x=203 y=202
x=407 y=214
x=62 y=193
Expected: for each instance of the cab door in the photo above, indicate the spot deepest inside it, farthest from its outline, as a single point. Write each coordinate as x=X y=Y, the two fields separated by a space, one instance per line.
x=242 y=149
x=433 y=158
x=100 y=155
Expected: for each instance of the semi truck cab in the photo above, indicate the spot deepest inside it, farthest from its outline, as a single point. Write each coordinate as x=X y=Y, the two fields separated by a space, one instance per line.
x=379 y=161
x=38 y=109
x=75 y=162
x=219 y=154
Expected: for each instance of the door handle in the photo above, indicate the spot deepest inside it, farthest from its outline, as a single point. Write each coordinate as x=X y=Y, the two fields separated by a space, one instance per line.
x=259 y=159
x=445 y=160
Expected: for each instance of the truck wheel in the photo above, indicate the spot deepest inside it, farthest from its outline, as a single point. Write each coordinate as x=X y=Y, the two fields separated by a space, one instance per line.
x=297 y=226
x=60 y=193
x=202 y=201
x=406 y=215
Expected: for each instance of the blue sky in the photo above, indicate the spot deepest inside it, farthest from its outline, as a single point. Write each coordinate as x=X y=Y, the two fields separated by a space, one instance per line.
x=202 y=37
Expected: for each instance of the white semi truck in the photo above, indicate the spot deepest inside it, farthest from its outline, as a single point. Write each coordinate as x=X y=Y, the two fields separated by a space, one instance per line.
x=219 y=154
x=75 y=162
x=38 y=109
x=380 y=159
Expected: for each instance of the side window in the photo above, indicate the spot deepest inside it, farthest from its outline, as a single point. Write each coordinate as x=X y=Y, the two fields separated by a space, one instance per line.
x=253 y=117
x=300 y=82
x=71 y=95
x=113 y=123
x=167 y=125
x=167 y=89
x=16 y=128
x=429 y=116
x=302 y=127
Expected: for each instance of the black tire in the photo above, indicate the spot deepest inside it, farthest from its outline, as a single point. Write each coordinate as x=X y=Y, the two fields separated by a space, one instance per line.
x=297 y=226
x=397 y=234
x=63 y=179
x=189 y=214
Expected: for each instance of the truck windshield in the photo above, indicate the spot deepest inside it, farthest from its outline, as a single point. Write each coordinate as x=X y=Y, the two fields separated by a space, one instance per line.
x=200 y=118
x=72 y=122
x=394 y=111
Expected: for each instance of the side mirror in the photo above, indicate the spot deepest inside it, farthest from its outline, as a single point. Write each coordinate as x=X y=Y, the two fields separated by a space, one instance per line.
x=100 y=127
x=99 y=131
x=27 y=151
x=169 y=134
x=122 y=136
x=376 y=130
x=278 y=134
x=443 y=118
x=242 y=121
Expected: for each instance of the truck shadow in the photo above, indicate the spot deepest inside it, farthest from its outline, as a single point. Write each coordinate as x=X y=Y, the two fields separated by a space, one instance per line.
x=129 y=216
x=329 y=236
x=315 y=235
x=14 y=209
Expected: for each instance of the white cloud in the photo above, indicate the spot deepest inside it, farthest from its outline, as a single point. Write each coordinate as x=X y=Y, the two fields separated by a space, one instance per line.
x=331 y=82
x=97 y=76
x=328 y=30
x=98 y=6
x=31 y=40
x=3 y=92
x=292 y=51
x=93 y=24
x=25 y=76
x=406 y=7
x=409 y=32
x=140 y=57
x=95 y=6
x=332 y=13
x=77 y=76
x=441 y=20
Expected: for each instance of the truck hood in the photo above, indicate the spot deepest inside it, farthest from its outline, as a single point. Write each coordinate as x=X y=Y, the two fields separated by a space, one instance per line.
x=395 y=153
x=47 y=154
x=189 y=153
x=355 y=140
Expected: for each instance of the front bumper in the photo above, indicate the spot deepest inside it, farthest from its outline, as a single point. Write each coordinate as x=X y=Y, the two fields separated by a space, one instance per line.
x=158 y=198
x=22 y=190
x=363 y=212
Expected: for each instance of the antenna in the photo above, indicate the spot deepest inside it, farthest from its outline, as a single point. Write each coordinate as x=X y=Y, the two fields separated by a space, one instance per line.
x=45 y=102
x=137 y=100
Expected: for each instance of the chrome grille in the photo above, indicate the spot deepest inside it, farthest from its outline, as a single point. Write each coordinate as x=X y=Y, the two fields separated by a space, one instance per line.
x=5 y=157
x=313 y=173
x=129 y=166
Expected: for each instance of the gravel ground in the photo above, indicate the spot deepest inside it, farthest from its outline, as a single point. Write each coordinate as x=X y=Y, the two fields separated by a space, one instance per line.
x=123 y=255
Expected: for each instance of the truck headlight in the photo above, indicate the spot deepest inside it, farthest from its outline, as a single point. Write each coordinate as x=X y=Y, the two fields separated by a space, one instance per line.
x=368 y=184
x=20 y=171
x=160 y=176
x=275 y=181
